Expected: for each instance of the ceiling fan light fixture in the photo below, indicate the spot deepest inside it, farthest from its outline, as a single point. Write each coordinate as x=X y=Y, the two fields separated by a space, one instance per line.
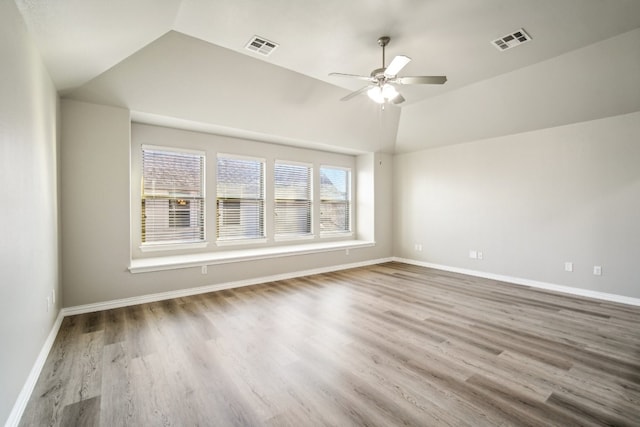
x=382 y=94
x=381 y=80
x=389 y=92
x=375 y=93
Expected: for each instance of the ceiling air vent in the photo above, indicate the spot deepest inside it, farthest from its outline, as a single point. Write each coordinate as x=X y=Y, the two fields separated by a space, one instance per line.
x=261 y=46
x=511 y=40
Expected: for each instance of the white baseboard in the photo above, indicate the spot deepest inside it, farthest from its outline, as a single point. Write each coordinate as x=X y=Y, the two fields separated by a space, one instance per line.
x=27 y=389
x=526 y=282
x=125 y=302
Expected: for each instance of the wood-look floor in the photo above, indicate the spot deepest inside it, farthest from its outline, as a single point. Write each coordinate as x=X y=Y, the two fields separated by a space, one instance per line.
x=385 y=345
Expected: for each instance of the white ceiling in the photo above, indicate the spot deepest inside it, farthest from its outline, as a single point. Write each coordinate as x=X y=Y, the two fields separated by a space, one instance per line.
x=80 y=39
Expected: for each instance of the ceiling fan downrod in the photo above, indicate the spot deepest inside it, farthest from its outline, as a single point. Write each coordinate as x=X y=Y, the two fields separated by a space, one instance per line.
x=383 y=41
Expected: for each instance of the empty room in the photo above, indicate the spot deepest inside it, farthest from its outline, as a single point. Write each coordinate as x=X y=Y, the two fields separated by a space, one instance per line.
x=305 y=213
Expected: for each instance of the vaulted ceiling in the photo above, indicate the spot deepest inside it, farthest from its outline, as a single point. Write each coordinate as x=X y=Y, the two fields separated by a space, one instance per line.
x=131 y=52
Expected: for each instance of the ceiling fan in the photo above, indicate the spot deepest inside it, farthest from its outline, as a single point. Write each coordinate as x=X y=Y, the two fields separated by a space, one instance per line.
x=381 y=80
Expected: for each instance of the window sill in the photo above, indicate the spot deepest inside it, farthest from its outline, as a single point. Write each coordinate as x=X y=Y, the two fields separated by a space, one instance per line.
x=146 y=265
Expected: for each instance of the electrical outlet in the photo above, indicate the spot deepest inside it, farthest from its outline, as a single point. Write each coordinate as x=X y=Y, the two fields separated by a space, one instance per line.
x=480 y=255
x=204 y=269
x=597 y=270
x=473 y=254
x=48 y=304
x=568 y=266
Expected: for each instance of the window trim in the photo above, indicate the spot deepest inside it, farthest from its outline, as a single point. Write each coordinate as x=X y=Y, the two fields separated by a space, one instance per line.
x=350 y=189
x=251 y=240
x=170 y=245
x=312 y=229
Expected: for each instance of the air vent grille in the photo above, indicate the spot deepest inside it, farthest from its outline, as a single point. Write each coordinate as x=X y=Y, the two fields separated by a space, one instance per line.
x=261 y=46
x=511 y=40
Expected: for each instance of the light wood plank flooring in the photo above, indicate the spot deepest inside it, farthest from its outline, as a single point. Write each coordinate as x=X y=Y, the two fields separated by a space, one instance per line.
x=385 y=345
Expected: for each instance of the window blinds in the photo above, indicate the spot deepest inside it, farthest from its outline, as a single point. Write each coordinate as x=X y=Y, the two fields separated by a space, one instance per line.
x=292 y=188
x=172 y=196
x=240 y=198
x=335 y=200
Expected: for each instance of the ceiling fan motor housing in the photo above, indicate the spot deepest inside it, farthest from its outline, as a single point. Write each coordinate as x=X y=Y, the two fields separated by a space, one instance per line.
x=378 y=74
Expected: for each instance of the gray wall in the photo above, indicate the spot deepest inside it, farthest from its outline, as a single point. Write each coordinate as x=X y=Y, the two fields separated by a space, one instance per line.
x=29 y=214
x=530 y=202
x=95 y=158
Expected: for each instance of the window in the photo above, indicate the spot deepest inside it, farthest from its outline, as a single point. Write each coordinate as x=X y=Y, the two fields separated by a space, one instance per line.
x=335 y=200
x=172 y=196
x=240 y=202
x=292 y=189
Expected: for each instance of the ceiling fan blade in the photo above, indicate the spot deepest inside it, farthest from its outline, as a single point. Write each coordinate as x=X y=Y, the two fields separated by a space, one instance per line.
x=421 y=80
x=354 y=94
x=399 y=99
x=396 y=65
x=354 y=76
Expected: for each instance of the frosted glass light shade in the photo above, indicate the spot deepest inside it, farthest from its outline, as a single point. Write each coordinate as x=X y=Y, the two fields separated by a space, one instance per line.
x=389 y=92
x=375 y=93
x=382 y=94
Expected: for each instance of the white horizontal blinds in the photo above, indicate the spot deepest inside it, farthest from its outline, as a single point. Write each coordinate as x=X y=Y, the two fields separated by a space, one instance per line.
x=335 y=200
x=240 y=198
x=292 y=188
x=172 y=196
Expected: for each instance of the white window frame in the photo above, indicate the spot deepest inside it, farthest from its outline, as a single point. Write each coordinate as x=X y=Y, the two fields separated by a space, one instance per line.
x=350 y=190
x=291 y=236
x=177 y=244
x=250 y=240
